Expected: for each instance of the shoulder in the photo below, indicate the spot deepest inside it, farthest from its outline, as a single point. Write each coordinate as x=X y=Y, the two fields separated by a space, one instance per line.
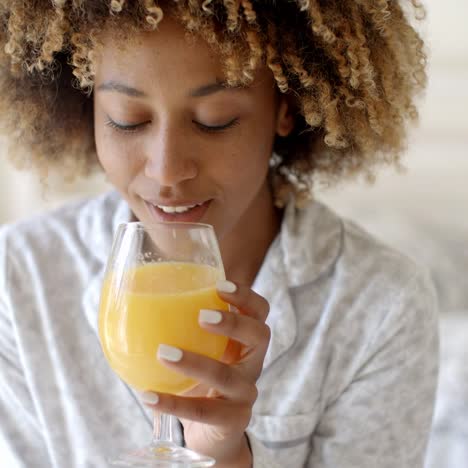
x=392 y=309
x=76 y=221
x=358 y=278
x=317 y=243
x=388 y=297
x=384 y=273
x=371 y=299
x=367 y=256
x=44 y=245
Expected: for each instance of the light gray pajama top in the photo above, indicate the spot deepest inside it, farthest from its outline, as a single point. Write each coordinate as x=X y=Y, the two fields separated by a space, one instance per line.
x=349 y=378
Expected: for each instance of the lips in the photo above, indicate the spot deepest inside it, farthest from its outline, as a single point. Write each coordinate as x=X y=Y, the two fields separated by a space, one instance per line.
x=191 y=212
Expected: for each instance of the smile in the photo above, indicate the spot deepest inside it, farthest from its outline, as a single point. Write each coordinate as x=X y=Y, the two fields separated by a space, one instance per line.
x=177 y=209
x=193 y=212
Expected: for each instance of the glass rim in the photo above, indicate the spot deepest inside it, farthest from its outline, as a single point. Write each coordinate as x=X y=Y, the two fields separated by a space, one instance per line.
x=175 y=224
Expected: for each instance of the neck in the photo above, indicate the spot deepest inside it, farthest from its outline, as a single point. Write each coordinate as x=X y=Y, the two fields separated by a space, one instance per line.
x=244 y=249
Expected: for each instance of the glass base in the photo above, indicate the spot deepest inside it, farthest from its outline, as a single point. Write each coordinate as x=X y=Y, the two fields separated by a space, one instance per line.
x=163 y=454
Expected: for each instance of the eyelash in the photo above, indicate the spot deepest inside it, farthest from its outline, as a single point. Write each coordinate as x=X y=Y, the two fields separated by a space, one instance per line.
x=219 y=128
x=124 y=128
x=204 y=128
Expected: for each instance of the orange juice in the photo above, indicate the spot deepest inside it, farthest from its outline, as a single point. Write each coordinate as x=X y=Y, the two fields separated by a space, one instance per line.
x=154 y=304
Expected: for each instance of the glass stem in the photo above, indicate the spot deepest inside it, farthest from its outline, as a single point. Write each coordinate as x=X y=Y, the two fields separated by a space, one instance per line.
x=162 y=428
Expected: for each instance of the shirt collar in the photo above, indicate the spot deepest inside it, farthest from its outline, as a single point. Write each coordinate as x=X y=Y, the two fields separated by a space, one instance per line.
x=311 y=242
x=307 y=247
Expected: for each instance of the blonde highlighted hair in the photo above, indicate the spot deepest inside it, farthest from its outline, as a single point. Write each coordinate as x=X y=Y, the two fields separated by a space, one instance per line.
x=352 y=67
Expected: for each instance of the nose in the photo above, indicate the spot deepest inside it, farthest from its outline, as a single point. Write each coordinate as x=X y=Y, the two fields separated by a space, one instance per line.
x=170 y=159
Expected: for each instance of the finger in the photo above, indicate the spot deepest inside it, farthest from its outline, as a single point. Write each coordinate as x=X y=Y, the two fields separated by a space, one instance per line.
x=225 y=379
x=246 y=300
x=233 y=352
x=246 y=330
x=211 y=411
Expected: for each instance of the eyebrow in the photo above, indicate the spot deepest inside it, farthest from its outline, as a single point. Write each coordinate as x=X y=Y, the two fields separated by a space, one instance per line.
x=204 y=90
x=121 y=88
x=212 y=88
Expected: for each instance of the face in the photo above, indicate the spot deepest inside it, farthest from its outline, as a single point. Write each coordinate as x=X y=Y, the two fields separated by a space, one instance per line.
x=174 y=142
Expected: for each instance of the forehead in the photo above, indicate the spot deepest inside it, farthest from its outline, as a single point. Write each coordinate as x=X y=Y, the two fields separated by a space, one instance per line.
x=167 y=53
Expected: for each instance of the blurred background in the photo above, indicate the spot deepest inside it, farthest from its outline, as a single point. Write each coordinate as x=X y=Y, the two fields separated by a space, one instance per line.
x=423 y=212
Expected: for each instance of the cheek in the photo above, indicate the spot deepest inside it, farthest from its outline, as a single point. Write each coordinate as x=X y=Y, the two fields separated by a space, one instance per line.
x=250 y=155
x=116 y=158
x=244 y=170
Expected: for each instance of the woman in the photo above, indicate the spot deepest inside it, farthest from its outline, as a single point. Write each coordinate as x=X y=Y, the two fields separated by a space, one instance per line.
x=223 y=112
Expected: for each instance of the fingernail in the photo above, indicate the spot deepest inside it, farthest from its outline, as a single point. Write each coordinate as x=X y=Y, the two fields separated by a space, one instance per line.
x=169 y=353
x=210 y=316
x=149 y=398
x=226 y=286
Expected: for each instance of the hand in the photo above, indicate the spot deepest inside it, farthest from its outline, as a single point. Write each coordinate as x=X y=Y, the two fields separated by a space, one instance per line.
x=216 y=419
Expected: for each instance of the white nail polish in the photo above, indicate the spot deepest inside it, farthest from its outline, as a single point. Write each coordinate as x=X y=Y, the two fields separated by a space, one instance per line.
x=226 y=286
x=169 y=353
x=149 y=398
x=210 y=316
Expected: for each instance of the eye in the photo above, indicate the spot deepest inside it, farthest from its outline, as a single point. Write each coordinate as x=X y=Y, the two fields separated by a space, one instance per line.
x=125 y=128
x=217 y=128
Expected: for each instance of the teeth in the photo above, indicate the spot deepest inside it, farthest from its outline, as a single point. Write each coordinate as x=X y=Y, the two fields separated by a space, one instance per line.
x=176 y=209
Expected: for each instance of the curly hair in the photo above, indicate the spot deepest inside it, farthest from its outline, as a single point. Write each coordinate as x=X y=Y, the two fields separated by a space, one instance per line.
x=352 y=67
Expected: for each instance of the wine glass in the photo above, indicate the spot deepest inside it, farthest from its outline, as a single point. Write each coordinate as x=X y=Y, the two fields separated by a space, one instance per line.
x=158 y=277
